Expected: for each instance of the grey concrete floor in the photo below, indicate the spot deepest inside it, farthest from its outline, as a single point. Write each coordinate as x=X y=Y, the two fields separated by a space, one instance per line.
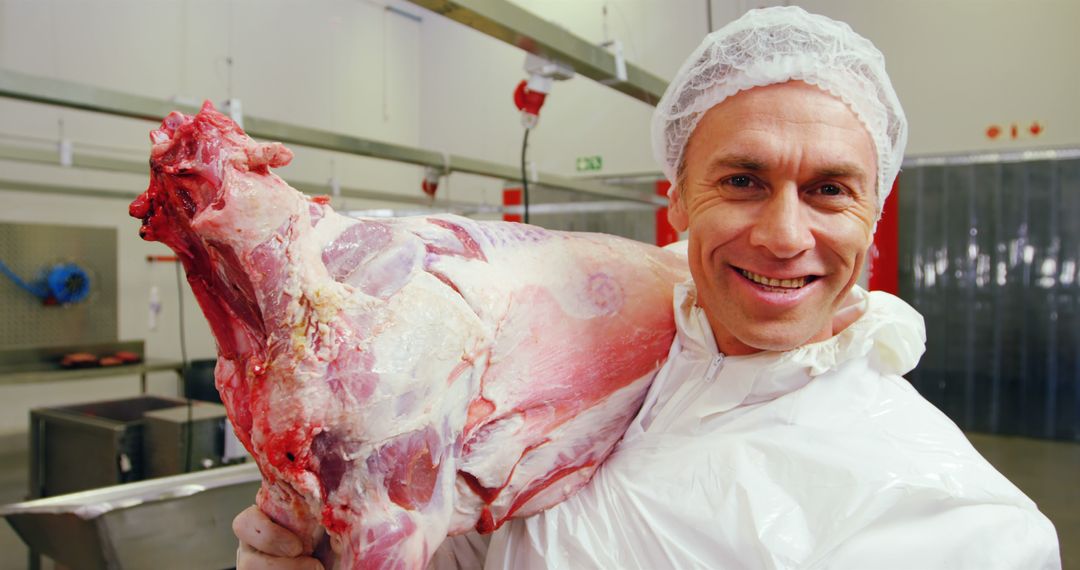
x=1047 y=471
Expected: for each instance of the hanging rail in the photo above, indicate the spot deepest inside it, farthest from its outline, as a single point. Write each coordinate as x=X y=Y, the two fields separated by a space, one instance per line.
x=64 y=189
x=109 y=164
x=49 y=91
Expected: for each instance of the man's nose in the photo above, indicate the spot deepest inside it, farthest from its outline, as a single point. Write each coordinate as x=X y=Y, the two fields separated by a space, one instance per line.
x=783 y=227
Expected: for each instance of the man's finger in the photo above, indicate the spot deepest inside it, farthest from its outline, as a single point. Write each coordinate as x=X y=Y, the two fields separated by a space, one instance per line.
x=256 y=529
x=248 y=558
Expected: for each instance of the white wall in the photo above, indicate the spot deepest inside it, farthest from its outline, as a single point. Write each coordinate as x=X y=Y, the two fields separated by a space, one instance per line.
x=344 y=65
x=961 y=65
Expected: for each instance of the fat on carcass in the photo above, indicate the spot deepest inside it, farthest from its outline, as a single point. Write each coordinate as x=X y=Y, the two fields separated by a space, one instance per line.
x=402 y=380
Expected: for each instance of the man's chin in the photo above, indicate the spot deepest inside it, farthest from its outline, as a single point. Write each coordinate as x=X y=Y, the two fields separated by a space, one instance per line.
x=781 y=340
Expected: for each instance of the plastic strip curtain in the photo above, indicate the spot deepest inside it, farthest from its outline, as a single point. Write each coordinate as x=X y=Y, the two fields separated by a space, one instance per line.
x=989 y=254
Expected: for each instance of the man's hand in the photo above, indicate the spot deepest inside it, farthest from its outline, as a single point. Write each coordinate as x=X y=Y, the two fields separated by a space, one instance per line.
x=265 y=545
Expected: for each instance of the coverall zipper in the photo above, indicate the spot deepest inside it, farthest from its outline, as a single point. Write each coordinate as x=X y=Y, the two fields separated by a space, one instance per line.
x=715 y=367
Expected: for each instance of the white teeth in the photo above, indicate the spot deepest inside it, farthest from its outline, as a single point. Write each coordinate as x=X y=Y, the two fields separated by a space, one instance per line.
x=781 y=283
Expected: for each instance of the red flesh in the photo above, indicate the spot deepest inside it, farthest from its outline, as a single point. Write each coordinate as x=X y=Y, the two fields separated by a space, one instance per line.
x=300 y=374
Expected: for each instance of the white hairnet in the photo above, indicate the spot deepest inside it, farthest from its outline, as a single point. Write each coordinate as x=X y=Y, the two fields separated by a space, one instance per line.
x=775 y=45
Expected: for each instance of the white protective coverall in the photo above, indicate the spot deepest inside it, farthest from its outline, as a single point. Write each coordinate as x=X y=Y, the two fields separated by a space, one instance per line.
x=820 y=457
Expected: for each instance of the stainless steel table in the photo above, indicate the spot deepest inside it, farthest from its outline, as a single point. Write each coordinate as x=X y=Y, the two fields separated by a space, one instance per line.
x=178 y=522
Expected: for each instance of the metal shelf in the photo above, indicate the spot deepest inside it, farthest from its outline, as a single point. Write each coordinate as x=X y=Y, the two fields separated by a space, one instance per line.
x=29 y=365
x=38 y=373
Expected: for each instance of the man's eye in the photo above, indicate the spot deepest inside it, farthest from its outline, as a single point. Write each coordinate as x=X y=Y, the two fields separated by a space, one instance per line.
x=830 y=190
x=740 y=181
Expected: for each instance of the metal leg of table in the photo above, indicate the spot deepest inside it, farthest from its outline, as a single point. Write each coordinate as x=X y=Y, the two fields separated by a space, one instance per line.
x=181 y=391
x=142 y=383
x=34 y=561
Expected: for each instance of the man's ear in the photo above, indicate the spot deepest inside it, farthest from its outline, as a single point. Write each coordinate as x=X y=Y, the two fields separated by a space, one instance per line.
x=676 y=214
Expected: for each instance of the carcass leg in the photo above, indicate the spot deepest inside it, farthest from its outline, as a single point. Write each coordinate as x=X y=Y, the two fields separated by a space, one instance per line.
x=288 y=508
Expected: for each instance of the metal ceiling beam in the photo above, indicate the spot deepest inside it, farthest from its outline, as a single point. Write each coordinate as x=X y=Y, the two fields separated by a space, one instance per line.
x=78 y=160
x=50 y=91
x=277 y=131
x=108 y=164
x=582 y=207
x=464 y=208
x=87 y=161
x=25 y=87
x=520 y=28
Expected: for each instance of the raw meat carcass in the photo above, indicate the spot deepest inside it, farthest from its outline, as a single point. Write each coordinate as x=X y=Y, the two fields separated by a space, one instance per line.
x=399 y=380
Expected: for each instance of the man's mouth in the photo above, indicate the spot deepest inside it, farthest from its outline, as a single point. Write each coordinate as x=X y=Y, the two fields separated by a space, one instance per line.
x=795 y=283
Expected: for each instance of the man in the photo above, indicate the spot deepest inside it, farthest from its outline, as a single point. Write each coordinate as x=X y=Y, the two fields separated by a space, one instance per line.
x=779 y=433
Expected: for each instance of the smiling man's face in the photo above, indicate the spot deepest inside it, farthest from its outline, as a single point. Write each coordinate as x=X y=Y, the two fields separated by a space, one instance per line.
x=779 y=194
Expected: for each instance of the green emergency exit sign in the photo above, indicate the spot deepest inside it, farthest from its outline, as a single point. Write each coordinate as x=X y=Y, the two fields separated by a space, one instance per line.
x=589 y=163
